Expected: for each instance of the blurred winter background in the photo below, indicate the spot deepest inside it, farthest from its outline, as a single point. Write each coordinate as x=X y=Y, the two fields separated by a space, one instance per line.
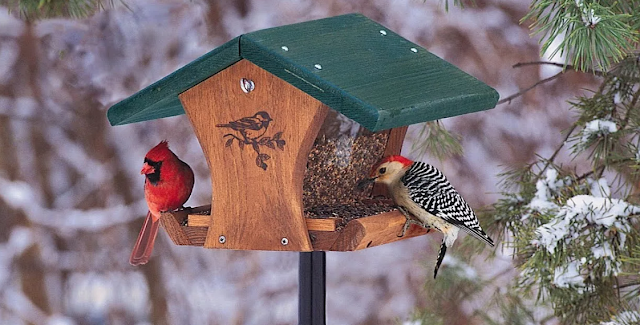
x=71 y=199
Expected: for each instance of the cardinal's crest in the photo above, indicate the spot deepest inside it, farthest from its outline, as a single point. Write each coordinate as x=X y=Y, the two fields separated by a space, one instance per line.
x=252 y=131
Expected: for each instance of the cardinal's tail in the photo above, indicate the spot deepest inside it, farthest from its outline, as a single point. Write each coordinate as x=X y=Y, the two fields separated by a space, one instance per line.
x=144 y=245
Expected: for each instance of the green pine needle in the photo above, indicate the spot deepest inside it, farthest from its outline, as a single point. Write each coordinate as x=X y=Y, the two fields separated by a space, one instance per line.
x=43 y=9
x=438 y=141
x=593 y=35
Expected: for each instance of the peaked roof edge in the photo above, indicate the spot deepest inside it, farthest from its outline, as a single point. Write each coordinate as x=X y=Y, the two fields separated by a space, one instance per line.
x=160 y=99
x=432 y=111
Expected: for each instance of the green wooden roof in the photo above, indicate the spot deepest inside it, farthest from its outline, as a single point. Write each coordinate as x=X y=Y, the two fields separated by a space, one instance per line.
x=351 y=63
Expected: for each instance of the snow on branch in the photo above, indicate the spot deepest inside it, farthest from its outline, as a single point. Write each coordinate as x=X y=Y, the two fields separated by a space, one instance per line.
x=580 y=211
x=580 y=236
x=596 y=128
x=544 y=190
x=569 y=277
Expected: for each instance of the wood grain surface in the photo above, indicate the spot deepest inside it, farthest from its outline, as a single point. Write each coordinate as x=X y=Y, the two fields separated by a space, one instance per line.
x=368 y=232
x=181 y=235
x=358 y=234
x=320 y=224
x=254 y=208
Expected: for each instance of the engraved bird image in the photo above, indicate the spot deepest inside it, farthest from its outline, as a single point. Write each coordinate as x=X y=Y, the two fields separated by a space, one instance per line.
x=250 y=128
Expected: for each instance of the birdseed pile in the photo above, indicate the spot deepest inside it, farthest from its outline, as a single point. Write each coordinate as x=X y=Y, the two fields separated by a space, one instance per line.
x=342 y=155
x=347 y=212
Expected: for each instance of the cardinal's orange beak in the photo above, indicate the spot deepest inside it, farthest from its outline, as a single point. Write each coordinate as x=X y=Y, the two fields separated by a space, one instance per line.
x=147 y=169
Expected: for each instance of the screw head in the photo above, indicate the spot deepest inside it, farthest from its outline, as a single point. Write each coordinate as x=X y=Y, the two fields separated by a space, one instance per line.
x=222 y=239
x=318 y=67
x=383 y=32
x=247 y=85
x=285 y=48
x=284 y=241
x=414 y=50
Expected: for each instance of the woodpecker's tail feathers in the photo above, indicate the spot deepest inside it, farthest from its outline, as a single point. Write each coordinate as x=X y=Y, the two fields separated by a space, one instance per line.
x=443 y=250
x=480 y=234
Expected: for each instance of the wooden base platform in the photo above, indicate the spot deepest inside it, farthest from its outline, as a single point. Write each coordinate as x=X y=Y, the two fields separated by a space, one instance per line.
x=190 y=226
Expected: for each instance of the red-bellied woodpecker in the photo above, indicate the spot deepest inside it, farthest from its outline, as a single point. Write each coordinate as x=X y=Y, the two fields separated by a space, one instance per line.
x=425 y=196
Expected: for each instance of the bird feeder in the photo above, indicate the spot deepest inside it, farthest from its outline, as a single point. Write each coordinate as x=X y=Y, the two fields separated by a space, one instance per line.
x=290 y=118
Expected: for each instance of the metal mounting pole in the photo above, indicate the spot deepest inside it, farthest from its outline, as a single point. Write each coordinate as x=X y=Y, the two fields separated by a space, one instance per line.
x=312 y=276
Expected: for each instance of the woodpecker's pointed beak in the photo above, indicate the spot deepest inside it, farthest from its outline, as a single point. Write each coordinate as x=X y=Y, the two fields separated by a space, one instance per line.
x=364 y=182
x=147 y=169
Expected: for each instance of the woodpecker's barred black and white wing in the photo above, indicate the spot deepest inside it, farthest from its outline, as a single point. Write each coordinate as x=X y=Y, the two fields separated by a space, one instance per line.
x=430 y=189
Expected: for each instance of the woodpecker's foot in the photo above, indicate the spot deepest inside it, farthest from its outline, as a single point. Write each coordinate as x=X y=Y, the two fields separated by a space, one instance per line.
x=404 y=212
x=410 y=221
x=407 y=224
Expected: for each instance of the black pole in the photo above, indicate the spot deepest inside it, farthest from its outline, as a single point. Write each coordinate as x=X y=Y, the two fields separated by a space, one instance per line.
x=312 y=288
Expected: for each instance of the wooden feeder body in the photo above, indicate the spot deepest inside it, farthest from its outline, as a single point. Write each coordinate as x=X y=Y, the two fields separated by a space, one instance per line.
x=266 y=140
x=255 y=204
x=269 y=215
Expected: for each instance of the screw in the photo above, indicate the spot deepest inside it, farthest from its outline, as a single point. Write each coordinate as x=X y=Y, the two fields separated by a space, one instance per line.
x=247 y=85
x=284 y=48
x=284 y=241
x=222 y=239
x=414 y=50
x=317 y=66
x=383 y=32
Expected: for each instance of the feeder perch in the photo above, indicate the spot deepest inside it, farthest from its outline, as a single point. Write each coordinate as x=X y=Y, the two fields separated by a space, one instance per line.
x=290 y=118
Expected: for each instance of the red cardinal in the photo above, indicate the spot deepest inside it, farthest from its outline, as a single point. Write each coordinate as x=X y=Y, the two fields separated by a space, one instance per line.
x=167 y=186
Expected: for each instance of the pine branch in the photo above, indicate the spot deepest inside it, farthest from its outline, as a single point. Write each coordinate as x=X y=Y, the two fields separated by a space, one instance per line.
x=591 y=172
x=438 y=141
x=589 y=33
x=557 y=64
x=566 y=67
x=43 y=9
x=522 y=92
x=555 y=252
x=632 y=106
x=555 y=153
x=458 y=3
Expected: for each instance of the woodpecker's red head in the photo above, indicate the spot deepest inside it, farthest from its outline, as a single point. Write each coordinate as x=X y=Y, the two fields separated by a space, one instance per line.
x=387 y=171
x=401 y=159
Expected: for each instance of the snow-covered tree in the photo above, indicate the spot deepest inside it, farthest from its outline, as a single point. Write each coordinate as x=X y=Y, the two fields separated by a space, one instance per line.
x=574 y=230
x=573 y=223
x=571 y=220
